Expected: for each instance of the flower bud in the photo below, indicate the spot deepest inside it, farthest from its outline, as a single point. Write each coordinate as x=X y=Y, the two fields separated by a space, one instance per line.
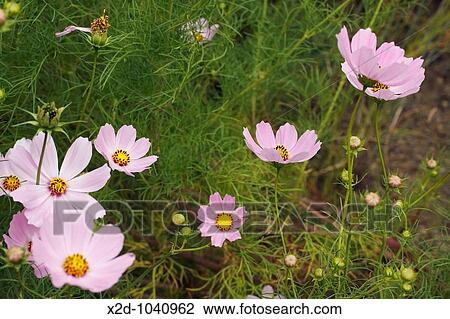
x=431 y=163
x=407 y=287
x=395 y=181
x=399 y=204
x=388 y=272
x=12 y=9
x=48 y=115
x=318 y=273
x=355 y=142
x=345 y=176
x=2 y=92
x=339 y=262
x=99 y=28
x=186 y=231
x=372 y=199
x=2 y=18
x=434 y=173
x=408 y=274
x=406 y=234
x=290 y=260
x=178 y=219
x=15 y=254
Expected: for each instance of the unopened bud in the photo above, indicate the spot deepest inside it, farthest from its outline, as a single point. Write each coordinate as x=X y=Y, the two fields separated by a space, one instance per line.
x=339 y=262
x=372 y=199
x=2 y=91
x=408 y=274
x=345 y=176
x=434 y=173
x=406 y=234
x=395 y=181
x=12 y=9
x=178 y=219
x=48 y=115
x=318 y=273
x=186 y=231
x=388 y=272
x=407 y=286
x=431 y=163
x=355 y=142
x=290 y=260
x=15 y=254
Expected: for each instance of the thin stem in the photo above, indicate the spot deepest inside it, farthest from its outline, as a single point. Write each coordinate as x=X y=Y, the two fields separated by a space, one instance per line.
x=277 y=211
x=41 y=159
x=431 y=189
x=91 y=85
x=349 y=188
x=380 y=150
x=177 y=251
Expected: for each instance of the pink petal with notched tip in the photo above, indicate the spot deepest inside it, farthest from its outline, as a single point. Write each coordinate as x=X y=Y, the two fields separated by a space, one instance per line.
x=364 y=38
x=91 y=181
x=126 y=137
x=105 y=143
x=287 y=136
x=264 y=135
x=77 y=158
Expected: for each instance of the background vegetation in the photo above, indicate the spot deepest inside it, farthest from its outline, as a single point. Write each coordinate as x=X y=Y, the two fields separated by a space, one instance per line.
x=271 y=60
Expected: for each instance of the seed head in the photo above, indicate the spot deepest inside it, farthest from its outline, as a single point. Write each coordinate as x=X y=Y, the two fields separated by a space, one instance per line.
x=395 y=181
x=372 y=199
x=355 y=142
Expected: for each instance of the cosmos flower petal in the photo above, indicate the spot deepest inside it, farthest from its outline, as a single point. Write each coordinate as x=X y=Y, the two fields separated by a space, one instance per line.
x=286 y=136
x=50 y=159
x=105 y=244
x=105 y=143
x=264 y=135
x=218 y=239
x=126 y=137
x=251 y=144
x=364 y=38
x=77 y=158
x=91 y=181
x=140 y=148
x=72 y=28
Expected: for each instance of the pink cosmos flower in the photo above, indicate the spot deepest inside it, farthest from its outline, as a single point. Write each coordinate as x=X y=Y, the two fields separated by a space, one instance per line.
x=122 y=151
x=77 y=256
x=285 y=147
x=11 y=180
x=385 y=72
x=220 y=220
x=21 y=234
x=200 y=31
x=66 y=184
x=72 y=28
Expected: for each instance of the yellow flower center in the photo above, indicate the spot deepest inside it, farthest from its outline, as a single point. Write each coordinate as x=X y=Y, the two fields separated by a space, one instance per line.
x=11 y=183
x=283 y=152
x=379 y=86
x=198 y=37
x=76 y=265
x=58 y=186
x=100 y=25
x=121 y=158
x=224 y=221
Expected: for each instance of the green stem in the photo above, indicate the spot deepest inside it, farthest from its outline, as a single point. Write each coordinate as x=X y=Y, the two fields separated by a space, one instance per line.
x=177 y=251
x=277 y=211
x=41 y=159
x=380 y=150
x=349 y=188
x=90 y=88
x=431 y=189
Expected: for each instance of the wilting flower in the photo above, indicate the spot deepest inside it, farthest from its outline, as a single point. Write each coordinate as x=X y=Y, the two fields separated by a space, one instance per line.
x=10 y=179
x=21 y=234
x=385 y=72
x=65 y=185
x=267 y=293
x=98 y=30
x=200 y=31
x=80 y=257
x=220 y=219
x=283 y=148
x=372 y=199
x=122 y=151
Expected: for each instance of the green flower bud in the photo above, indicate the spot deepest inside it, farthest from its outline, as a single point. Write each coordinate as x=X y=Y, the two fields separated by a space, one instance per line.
x=406 y=234
x=48 y=115
x=388 y=272
x=99 y=39
x=408 y=274
x=345 y=176
x=186 y=231
x=2 y=95
x=178 y=219
x=339 y=262
x=407 y=287
x=318 y=273
x=12 y=9
x=434 y=173
x=355 y=142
